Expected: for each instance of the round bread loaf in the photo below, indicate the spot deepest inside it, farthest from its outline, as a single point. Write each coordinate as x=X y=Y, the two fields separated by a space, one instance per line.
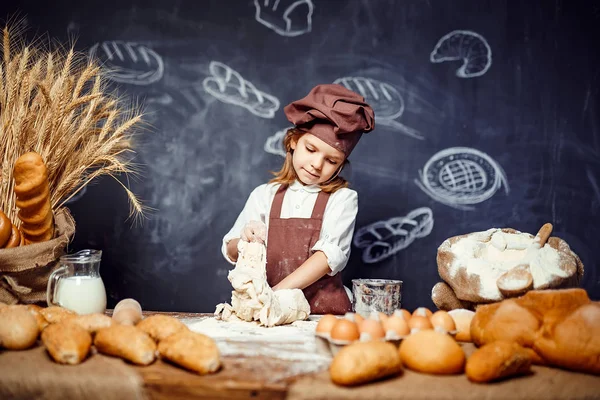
x=18 y=328
x=432 y=352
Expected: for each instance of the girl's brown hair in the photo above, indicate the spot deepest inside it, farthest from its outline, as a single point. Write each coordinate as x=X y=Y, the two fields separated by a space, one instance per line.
x=286 y=175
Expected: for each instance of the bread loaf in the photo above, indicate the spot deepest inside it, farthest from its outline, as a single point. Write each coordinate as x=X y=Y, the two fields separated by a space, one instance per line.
x=56 y=314
x=18 y=328
x=5 y=229
x=16 y=239
x=193 y=351
x=497 y=360
x=432 y=352
x=33 y=198
x=160 y=326
x=92 y=322
x=67 y=342
x=127 y=342
x=362 y=362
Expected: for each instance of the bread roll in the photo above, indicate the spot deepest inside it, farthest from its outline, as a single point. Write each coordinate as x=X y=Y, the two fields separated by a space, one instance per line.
x=127 y=342
x=497 y=360
x=362 y=362
x=18 y=328
x=92 y=322
x=191 y=350
x=67 y=342
x=507 y=321
x=56 y=314
x=15 y=238
x=574 y=341
x=5 y=229
x=432 y=352
x=160 y=326
x=33 y=198
x=550 y=305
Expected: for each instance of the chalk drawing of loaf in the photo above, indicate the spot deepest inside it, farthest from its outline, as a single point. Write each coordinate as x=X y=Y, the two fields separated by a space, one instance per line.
x=468 y=46
x=129 y=62
x=285 y=17
x=228 y=86
x=386 y=100
x=461 y=176
x=274 y=143
x=382 y=239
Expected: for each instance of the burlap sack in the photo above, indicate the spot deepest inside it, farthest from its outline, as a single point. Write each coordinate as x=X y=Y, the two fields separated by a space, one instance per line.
x=24 y=270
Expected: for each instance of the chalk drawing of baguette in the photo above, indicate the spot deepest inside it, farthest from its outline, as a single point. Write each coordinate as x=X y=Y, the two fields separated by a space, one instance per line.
x=228 y=86
x=382 y=239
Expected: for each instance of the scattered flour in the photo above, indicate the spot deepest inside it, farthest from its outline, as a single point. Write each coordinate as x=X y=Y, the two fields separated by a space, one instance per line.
x=490 y=253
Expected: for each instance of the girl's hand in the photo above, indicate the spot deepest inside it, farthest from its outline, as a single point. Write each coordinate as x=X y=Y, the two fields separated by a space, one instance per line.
x=254 y=231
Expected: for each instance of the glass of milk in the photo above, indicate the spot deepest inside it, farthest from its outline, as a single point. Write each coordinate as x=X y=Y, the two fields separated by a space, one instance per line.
x=77 y=285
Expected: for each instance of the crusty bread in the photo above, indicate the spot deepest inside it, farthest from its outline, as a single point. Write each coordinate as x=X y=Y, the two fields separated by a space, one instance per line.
x=362 y=362
x=507 y=321
x=191 y=350
x=56 y=314
x=127 y=342
x=432 y=352
x=93 y=322
x=18 y=328
x=67 y=342
x=160 y=326
x=497 y=360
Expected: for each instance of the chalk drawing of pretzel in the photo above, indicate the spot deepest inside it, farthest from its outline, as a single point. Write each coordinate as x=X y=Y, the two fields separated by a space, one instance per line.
x=381 y=239
x=468 y=46
x=228 y=86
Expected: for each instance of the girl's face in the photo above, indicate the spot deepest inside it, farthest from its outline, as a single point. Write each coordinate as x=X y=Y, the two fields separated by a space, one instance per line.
x=314 y=161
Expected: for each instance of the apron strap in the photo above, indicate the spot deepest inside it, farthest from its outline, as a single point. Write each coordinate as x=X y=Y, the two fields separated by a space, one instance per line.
x=277 y=202
x=319 y=208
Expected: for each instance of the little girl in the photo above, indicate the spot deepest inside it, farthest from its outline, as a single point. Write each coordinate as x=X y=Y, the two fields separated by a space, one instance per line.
x=306 y=214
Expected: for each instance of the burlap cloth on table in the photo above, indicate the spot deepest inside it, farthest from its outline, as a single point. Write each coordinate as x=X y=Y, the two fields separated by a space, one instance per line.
x=24 y=270
x=545 y=383
x=30 y=374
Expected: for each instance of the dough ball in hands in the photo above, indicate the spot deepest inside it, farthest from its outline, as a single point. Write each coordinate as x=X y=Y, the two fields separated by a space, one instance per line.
x=497 y=360
x=160 y=326
x=574 y=342
x=193 y=351
x=432 y=352
x=362 y=362
x=127 y=342
x=67 y=342
x=18 y=328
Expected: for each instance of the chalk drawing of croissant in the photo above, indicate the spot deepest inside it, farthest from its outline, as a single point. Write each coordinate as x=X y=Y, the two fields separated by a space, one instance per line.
x=386 y=100
x=228 y=86
x=382 y=239
x=468 y=46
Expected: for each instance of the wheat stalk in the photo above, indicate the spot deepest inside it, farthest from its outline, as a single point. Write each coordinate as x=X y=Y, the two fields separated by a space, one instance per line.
x=57 y=104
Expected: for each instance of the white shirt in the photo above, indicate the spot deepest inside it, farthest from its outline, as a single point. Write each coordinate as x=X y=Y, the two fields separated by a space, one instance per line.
x=338 y=219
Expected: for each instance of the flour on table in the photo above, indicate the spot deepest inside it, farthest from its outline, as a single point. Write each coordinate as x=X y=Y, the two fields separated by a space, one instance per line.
x=491 y=253
x=253 y=299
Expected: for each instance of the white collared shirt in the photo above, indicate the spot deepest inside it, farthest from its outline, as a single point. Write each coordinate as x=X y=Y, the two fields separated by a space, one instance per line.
x=338 y=220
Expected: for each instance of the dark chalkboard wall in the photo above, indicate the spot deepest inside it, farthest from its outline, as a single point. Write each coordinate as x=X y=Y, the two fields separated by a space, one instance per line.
x=508 y=138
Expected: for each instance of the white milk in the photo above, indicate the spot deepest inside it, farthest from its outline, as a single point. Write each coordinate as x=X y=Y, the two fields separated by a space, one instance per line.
x=82 y=294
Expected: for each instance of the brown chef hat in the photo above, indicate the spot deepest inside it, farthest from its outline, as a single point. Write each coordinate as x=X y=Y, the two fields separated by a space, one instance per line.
x=334 y=114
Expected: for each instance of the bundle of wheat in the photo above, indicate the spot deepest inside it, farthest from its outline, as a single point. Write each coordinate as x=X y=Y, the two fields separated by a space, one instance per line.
x=56 y=103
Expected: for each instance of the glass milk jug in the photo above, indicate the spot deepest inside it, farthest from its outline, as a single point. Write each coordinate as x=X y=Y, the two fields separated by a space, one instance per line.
x=77 y=285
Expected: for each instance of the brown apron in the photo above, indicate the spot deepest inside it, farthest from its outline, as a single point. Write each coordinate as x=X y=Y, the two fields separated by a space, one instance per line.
x=288 y=246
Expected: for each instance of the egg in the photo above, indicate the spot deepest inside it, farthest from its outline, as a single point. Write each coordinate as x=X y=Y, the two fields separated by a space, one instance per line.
x=397 y=324
x=354 y=317
x=441 y=319
x=404 y=313
x=345 y=330
x=418 y=322
x=358 y=318
x=382 y=316
x=326 y=323
x=423 y=312
x=372 y=327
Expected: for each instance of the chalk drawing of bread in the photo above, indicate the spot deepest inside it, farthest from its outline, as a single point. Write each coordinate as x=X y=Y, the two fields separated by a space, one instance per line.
x=382 y=239
x=468 y=46
x=228 y=86
x=129 y=62
x=386 y=100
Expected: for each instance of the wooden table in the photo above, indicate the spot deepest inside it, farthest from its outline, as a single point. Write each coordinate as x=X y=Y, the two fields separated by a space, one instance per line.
x=266 y=378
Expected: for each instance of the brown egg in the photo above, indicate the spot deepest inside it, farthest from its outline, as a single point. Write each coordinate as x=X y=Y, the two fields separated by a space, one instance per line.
x=419 y=322
x=423 y=312
x=441 y=319
x=397 y=324
x=358 y=318
x=372 y=327
x=404 y=313
x=382 y=316
x=326 y=323
x=345 y=330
